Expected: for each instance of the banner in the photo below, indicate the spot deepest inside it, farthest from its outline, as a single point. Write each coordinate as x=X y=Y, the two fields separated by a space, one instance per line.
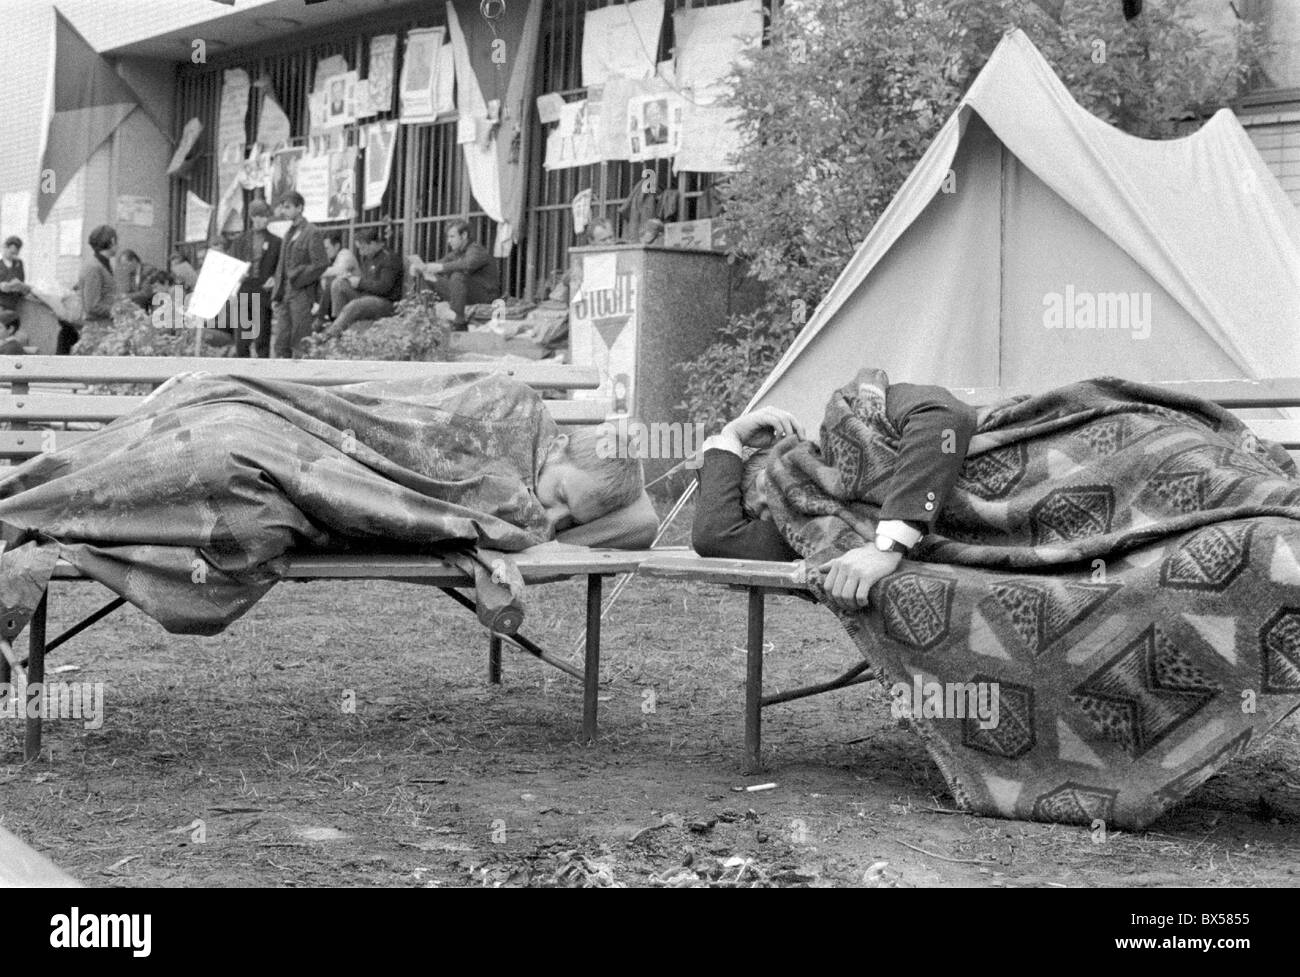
x=419 y=84
x=381 y=139
x=383 y=55
x=231 y=137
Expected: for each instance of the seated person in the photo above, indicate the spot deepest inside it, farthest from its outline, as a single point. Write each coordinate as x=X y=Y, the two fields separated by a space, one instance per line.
x=371 y=293
x=343 y=265
x=731 y=518
x=601 y=231
x=465 y=275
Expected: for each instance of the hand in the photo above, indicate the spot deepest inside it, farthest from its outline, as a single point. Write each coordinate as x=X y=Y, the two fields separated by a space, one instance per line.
x=758 y=429
x=849 y=577
x=268 y=284
x=415 y=263
x=433 y=268
x=354 y=280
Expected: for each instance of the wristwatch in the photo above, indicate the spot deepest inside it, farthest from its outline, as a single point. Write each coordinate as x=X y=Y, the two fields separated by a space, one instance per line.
x=887 y=544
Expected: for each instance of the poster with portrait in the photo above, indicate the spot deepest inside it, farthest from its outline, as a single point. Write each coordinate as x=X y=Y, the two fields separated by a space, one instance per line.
x=379 y=79
x=419 y=83
x=654 y=126
x=381 y=137
x=282 y=175
x=340 y=100
x=342 y=204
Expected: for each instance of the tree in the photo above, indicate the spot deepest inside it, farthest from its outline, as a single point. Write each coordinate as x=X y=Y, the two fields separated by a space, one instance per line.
x=841 y=104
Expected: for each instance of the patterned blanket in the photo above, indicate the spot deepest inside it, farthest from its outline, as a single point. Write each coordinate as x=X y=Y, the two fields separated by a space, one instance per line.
x=1108 y=611
x=188 y=505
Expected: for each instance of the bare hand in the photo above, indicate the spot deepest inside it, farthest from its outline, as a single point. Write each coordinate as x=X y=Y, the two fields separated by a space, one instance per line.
x=849 y=577
x=760 y=428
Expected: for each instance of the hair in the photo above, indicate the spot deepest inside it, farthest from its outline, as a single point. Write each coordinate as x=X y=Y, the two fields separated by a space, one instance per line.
x=618 y=479
x=335 y=236
x=293 y=198
x=754 y=465
x=129 y=255
x=459 y=225
x=102 y=237
x=368 y=235
x=158 y=277
x=13 y=239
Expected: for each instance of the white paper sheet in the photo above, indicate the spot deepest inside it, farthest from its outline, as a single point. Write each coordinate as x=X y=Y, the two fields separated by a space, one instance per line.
x=620 y=41
x=218 y=279
x=599 y=272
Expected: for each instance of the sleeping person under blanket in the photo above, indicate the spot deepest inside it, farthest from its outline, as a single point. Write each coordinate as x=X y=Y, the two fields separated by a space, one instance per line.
x=732 y=519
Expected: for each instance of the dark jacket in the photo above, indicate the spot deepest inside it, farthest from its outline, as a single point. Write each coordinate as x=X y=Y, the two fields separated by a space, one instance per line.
x=923 y=478
x=382 y=276
x=302 y=260
x=260 y=266
x=475 y=262
x=11 y=300
x=98 y=289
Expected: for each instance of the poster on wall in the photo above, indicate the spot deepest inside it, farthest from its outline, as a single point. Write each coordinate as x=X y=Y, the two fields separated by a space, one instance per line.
x=381 y=138
x=419 y=83
x=198 y=215
x=603 y=326
x=343 y=185
x=282 y=175
x=313 y=182
x=136 y=211
x=710 y=138
x=654 y=126
x=576 y=139
x=340 y=100
x=379 y=79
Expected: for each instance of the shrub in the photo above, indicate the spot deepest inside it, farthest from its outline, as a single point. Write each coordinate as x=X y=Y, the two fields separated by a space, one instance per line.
x=413 y=332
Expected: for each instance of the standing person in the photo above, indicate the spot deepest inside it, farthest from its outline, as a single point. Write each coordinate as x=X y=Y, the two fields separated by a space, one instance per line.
x=343 y=265
x=13 y=277
x=261 y=249
x=370 y=295
x=97 y=285
x=465 y=274
x=297 y=276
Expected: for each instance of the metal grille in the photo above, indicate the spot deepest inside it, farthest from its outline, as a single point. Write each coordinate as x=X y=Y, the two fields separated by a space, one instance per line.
x=429 y=185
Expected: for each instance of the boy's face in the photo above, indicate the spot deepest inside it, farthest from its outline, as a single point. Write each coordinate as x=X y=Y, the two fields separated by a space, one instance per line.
x=569 y=495
x=11 y=251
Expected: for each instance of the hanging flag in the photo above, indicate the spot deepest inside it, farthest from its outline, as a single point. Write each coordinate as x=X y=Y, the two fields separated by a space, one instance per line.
x=90 y=102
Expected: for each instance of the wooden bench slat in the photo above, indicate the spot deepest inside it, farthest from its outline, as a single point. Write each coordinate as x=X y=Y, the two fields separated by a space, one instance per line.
x=105 y=407
x=156 y=369
x=748 y=573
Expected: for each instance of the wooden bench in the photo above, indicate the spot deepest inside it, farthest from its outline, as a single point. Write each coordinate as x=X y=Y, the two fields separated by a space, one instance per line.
x=759 y=578
x=39 y=398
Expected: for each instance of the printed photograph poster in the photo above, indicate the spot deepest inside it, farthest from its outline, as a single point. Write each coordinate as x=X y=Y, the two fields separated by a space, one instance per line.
x=419 y=83
x=381 y=137
x=283 y=173
x=654 y=126
x=313 y=182
x=379 y=79
x=343 y=185
x=340 y=100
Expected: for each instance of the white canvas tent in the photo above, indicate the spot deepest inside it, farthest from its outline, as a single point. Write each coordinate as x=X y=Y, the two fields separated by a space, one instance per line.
x=1049 y=206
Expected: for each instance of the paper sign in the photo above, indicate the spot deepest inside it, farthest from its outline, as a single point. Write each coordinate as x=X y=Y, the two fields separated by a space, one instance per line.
x=136 y=211
x=599 y=272
x=218 y=279
x=549 y=106
x=198 y=214
x=314 y=185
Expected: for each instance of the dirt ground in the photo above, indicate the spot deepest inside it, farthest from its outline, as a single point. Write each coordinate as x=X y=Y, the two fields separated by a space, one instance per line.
x=232 y=761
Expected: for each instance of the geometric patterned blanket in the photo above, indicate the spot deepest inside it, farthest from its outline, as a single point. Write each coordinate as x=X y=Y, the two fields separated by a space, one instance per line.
x=1107 y=612
x=190 y=505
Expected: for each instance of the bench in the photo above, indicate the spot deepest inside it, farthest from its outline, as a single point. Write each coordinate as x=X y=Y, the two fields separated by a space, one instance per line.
x=759 y=578
x=40 y=406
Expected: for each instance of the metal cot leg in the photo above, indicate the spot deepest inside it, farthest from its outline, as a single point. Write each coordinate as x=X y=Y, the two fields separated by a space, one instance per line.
x=591 y=669
x=754 y=684
x=35 y=678
x=494 y=659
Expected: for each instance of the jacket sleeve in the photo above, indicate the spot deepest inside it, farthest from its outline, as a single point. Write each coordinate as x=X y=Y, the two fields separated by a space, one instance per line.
x=386 y=275
x=270 y=258
x=96 y=296
x=475 y=257
x=935 y=429
x=720 y=527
